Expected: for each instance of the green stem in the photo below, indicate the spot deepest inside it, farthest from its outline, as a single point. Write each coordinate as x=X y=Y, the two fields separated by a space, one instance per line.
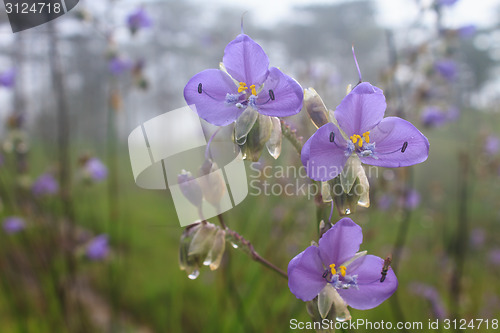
x=248 y=248
x=291 y=135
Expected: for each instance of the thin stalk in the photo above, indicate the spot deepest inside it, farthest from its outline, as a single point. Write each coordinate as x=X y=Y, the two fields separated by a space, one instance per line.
x=248 y=248
x=291 y=135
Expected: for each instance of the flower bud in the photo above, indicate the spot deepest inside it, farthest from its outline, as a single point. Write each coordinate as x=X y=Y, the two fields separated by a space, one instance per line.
x=201 y=244
x=211 y=182
x=256 y=139
x=190 y=188
x=315 y=107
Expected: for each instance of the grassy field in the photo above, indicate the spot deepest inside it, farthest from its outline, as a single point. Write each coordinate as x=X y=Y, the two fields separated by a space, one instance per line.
x=142 y=288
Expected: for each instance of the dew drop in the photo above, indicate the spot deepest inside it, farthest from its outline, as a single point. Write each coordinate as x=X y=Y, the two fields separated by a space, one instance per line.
x=234 y=245
x=347 y=211
x=194 y=274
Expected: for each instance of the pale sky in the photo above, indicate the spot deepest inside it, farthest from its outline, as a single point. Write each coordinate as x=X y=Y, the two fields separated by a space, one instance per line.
x=391 y=12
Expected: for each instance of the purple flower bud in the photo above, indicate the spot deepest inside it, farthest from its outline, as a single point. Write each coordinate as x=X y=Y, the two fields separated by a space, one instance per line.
x=139 y=19
x=433 y=117
x=8 y=78
x=432 y=295
x=477 y=238
x=412 y=199
x=447 y=68
x=46 y=184
x=467 y=31
x=98 y=248
x=96 y=169
x=385 y=202
x=492 y=145
x=494 y=256
x=190 y=188
x=446 y=2
x=118 y=66
x=13 y=224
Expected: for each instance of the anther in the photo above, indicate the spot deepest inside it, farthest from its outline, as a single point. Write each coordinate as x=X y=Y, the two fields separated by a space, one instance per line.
x=271 y=94
x=405 y=145
x=200 y=88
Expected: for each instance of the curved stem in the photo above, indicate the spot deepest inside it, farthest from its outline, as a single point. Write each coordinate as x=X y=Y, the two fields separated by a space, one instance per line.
x=291 y=135
x=247 y=247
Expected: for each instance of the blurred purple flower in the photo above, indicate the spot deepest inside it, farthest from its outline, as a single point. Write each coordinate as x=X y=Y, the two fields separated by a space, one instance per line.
x=453 y=113
x=118 y=65
x=46 y=184
x=432 y=295
x=245 y=83
x=492 y=145
x=13 y=224
x=494 y=256
x=447 y=68
x=477 y=238
x=447 y=2
x=355 y=276
x=467 y=31
x=8 y=78
x=385 y=202
x=433 y=117
x=96 y=169
x=412 y=199
x=98 y=248
x=389 y=142
x=139 y=19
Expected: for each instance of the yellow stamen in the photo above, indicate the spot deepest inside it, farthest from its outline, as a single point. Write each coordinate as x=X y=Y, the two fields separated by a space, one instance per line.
x=342 y=270
x=243 y=86
x=254 y=92
x=357 y=138
x=332 y=268
x=366 y=135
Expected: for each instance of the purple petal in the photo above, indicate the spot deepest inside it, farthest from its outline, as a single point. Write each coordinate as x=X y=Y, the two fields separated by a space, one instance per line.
x=305 y=274
x=397 y=144
x=246 y=61
x=371 y=292
x=281 y=96
x=322 y=158
x=211 y=102
x=341 y=242
x=361 y=110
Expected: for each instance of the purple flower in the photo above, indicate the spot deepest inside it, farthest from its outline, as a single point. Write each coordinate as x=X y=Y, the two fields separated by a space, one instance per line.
x=388 y=142
x=447 y=68
x=96 y=169
x=118 y=66
x=477 y=238
x=355 y=276
x=467 y=31
x=432 y=295
x=46 y=184
x=139 y=19
x=8 y=78
x=98 y=248
x=433 y=117
x=13 y=224
x=492 y=145
x=412 y=199
x=447 y=2
x=494 y=256
x=384 y=202
x=244 y=81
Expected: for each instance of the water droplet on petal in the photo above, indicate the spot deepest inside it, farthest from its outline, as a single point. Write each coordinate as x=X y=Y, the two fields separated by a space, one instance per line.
x=347 y=211
x=234 y=245
x=194 y=274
